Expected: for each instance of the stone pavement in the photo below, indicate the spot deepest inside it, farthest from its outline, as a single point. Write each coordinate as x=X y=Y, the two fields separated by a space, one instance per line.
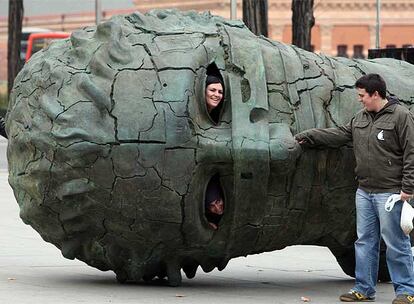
x=33 y=271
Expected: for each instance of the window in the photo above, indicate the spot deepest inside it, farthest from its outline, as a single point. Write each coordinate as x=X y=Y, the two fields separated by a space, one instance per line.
x=359 y=51
x=390 y=46
x=342 y=50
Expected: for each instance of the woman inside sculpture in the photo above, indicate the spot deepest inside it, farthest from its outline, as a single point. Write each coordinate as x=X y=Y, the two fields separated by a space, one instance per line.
x=214 y=96
x=214 y=202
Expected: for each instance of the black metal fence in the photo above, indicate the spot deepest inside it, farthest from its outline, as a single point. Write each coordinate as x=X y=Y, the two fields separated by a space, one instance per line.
x=406 y=54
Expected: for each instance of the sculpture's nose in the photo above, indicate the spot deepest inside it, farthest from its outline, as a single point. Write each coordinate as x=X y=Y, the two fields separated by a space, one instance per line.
x=284 y=149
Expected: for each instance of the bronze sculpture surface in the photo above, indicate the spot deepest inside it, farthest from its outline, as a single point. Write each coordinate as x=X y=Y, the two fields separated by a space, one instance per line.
x=111 y=146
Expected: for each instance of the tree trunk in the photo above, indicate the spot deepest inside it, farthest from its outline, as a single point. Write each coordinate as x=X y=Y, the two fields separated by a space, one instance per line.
x=15 y=35
x=255 y=16
x=302 y=23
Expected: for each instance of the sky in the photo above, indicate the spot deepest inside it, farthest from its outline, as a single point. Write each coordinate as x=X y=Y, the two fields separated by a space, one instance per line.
x=47 y=7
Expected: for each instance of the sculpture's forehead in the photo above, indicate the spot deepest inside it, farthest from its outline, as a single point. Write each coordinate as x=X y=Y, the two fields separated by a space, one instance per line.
x=151 y=103
x=177 y=50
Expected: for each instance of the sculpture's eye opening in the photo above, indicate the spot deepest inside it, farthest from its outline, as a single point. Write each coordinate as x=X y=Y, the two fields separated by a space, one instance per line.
x=214 y=93
x=214 y=202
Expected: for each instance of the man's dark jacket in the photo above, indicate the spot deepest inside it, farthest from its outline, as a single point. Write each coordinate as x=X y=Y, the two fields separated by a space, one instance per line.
x=2 y=128
x=383 y=144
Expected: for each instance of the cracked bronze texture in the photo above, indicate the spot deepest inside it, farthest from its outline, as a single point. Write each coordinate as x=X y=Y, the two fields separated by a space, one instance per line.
x=111 y=147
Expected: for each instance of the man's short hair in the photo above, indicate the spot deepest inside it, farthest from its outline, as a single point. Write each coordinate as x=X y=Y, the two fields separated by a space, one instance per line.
x=372 y=83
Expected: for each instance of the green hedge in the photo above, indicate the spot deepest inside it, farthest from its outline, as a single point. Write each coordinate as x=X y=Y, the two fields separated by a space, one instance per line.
x=3 y=101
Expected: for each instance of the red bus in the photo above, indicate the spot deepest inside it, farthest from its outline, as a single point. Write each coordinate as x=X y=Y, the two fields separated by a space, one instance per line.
x=38 y=41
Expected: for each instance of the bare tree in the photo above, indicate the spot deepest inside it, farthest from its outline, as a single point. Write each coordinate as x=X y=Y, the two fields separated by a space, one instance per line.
x=15 y=35
x=302 y=23
x=255 y=16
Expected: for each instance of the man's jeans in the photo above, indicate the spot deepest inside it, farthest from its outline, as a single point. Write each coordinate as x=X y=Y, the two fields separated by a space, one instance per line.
x=374 y=221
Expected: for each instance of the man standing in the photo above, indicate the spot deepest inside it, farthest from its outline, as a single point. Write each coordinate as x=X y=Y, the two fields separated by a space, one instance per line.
x=2 y=128
x=383 y=140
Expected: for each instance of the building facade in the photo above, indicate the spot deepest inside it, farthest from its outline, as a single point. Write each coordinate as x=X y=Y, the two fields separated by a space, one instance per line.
x=342 y=28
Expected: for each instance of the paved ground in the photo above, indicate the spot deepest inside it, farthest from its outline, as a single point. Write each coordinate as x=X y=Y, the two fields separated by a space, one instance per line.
x=33 y=271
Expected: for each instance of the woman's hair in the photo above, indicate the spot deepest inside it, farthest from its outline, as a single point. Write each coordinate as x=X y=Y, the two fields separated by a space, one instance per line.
x=214 y=79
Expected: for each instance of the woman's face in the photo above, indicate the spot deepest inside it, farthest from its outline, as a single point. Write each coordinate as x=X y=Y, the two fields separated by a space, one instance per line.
x=214 y=95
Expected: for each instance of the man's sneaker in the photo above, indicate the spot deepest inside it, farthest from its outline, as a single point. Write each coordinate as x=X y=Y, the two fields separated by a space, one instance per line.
x=355 y=296
x=403 y=299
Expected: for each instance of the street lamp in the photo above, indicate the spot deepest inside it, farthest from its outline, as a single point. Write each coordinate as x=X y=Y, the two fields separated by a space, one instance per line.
x=98 y=11
x=233 y=9
x=378 y=27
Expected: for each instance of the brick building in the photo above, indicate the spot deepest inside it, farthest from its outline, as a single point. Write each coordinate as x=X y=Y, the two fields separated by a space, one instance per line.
x=343 y=27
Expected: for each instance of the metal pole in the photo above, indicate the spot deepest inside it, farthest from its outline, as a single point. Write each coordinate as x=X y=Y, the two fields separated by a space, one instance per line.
x=378 y=27
x=233 y=9
x=98 y=11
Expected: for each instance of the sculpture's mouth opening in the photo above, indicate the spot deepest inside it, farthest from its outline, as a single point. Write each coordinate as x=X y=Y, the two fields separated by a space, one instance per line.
x=214 y=202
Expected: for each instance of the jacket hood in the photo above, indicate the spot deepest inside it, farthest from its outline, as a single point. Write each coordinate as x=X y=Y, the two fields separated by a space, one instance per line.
x=392 y=100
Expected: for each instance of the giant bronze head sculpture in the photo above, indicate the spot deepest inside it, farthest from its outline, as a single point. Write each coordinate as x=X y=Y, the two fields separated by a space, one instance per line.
x=111 y=146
